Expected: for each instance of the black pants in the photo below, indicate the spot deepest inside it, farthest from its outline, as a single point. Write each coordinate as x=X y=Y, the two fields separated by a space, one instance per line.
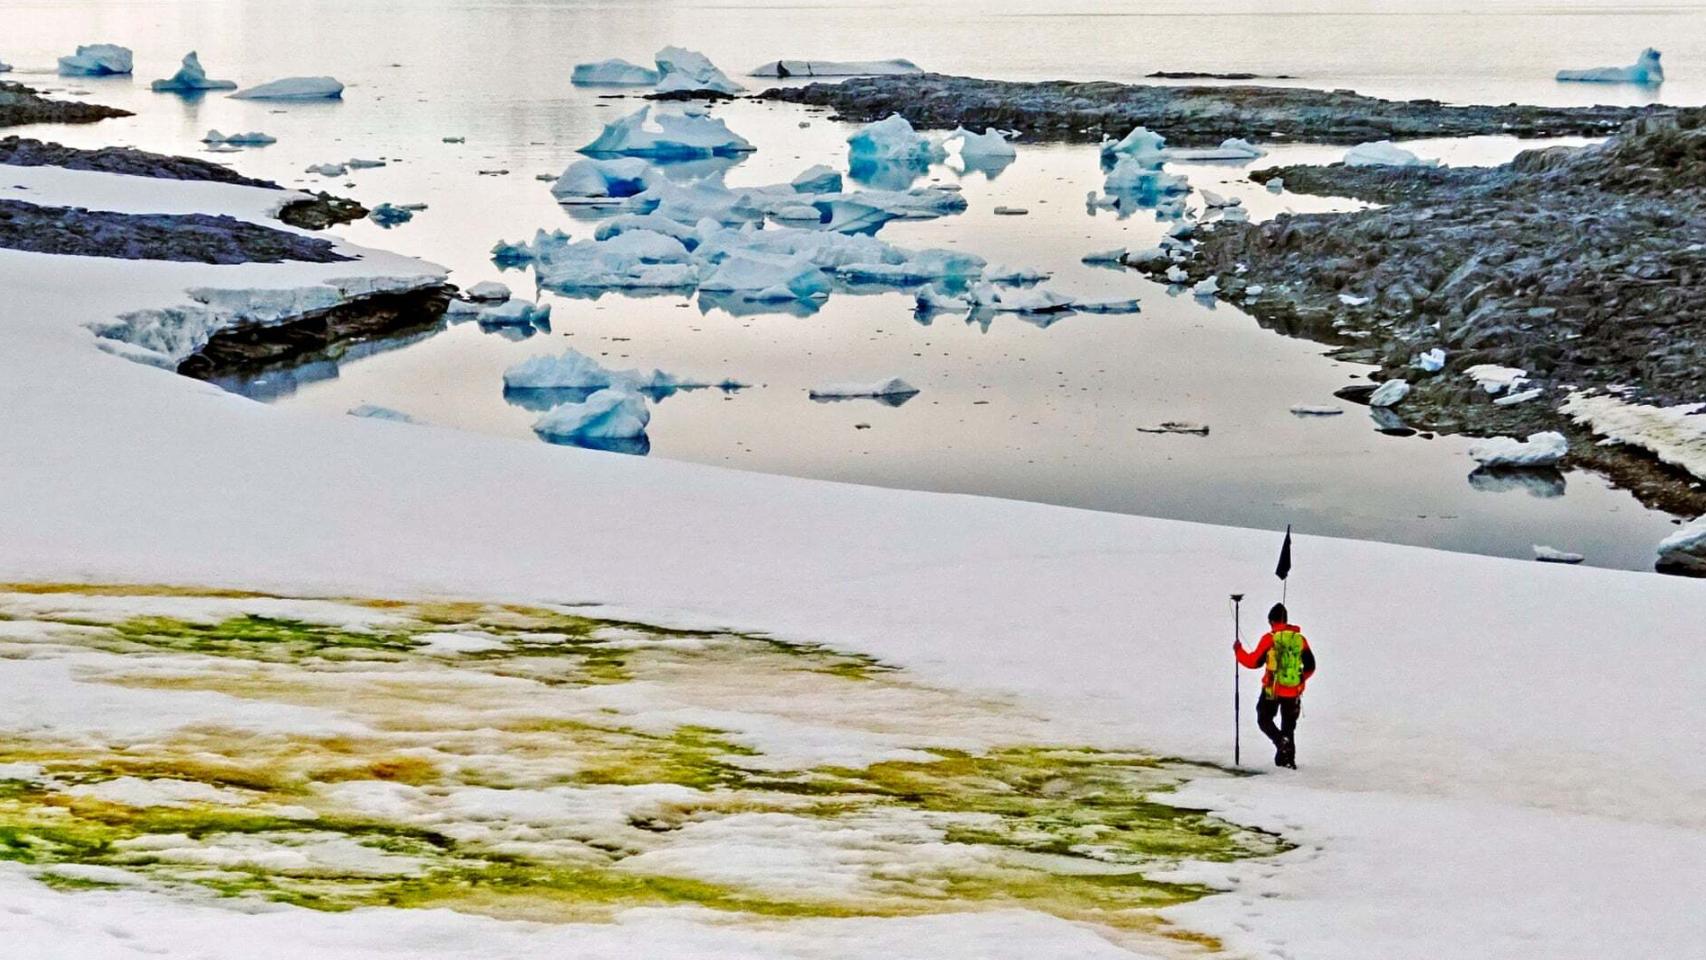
x=1287 y=708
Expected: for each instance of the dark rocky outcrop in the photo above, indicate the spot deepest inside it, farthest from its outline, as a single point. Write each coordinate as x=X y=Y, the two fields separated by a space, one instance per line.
x=194 y=237
x=20 y=105
x=241 y=350
x=1585 y=267
x=24 y=152
x=322 y=210
x=1187 y=115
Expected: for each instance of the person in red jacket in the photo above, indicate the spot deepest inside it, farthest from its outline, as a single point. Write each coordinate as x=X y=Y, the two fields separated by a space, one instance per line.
x=1287 y=661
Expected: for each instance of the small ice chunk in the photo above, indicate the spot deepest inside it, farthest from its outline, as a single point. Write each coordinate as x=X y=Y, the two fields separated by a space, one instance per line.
x=515 y=313
x=294 y=88
x=614 y=73
x=1276 y=185
x=1383 y=153
x=1232 y=148
x=893 y=139
x=1116 y=255
x=1645 y=71
x=1001 y=273
x=932 y=298
x=1023 y=300
x=817 y=179
x=784 y=69
x=1177 y=274
x=613 y=413
x=1496 y=379
x=488 y=291
x=359 y=164
x=1433 y=361
x=1147 y=257
x=892 y=387
x=390 y=215
x=1207 y=287
x=670 y=136
x=1316 y=410
x=1254 y=290
x=688 y=71
x=1547 y=554
x=1389 y=394
x=373 y=411
x=328 y=169
x=1213 y=200
x=591 y=180
x=1177 y=426
x=96 y=60
x=190 y=78
x=991 y=143
x=1352 y=300
x=1539 y=450
x=1141 y=144
x=1001 y=211
x=1512 y=399
x=1107 y=305
x=254 y=138
x=1685 y=550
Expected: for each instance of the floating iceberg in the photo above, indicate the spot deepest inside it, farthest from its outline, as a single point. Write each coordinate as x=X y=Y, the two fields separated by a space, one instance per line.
x=762 y=277
x=1001 y=273
x=933 y=299
x=577 y=371
x=1547 y=554
x=817 y=179
x=505 y=253
x=991 y=143
x=636 y=259
x=1645 y=70
x=1389 y=394
x=1382 y=153
x=893 y=139
x=253 y=138
x=1232 y=148
x=784 y=69
x=1116 y=255
x=1144 y=183
x=1024 y=300
x=613 y=413
x=1215 y=201
x=1141 y=144
x=96 y=60
x=687 y=71
x=488 y=291
x=614 y=73
x=1316 y=410
x=1539 y=450
x=1685 y=550
x=601 y=181
x=294 y=88
x=516 y=313
x=669 y=137
x=390 y=215
x=191 y=78
x=892 y=387
x=1107 y=305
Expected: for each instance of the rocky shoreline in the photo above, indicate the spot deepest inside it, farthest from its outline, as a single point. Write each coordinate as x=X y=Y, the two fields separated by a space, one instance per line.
x=1188 y=116
x=20 y=105
x=1586 y=268
x=190 y=237
x=244 y=349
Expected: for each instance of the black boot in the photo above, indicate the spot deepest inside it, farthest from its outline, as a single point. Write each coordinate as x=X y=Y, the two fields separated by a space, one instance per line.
x=1287 y=754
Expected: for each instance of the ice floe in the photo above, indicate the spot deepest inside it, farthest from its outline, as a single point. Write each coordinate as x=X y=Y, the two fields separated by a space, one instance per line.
x=293 y=88
x=892 y=139
x=817 y=179
x=613 y=413
x=1645 y=71
x=488 y=291
x=784 y=69
x=390 y=215
x=1546 y=554
x=592 y=180
x=96 y=60
x=991 y=144
x=669 y=136
x=1232 y=148
x=892 y=387
x=515 y=313
x=614 y=73
x=1383 y=153
x=1539 y=450
x=191 y=78
x=688 y=71
x=1389 y=394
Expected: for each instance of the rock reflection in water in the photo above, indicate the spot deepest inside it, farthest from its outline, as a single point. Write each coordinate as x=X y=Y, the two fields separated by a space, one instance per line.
x=1545 y=483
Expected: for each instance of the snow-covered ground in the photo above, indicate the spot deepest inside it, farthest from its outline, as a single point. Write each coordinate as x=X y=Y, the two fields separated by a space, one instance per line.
x=1497 y=757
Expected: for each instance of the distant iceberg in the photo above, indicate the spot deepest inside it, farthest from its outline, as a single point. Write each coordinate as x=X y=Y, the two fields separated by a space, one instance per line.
x=688 y=71
x=670 y=136
x=892 y=387
x=96 y=60
x=1539 y=450
x=191 y=78
x=614 y=413
x=1645 y=71
x=893 y=139
x=991 y=143
x=1232 y=148
x=614 y=73
x=784 y=69
x=516 y=313
x=294 y=88
x=1383 y=153
x=254 y=138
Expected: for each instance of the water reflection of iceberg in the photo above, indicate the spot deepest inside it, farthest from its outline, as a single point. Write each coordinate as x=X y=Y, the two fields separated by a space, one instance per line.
x=736 y=304
x=1545 y=483
x=278 y=381
x=887 y=399
x=887 y=174
x=989 y=166
x=1387 y=421
x=636 y=446
x=542 y=399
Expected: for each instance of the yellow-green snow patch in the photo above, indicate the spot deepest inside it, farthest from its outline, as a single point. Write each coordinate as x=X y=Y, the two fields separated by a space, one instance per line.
x=536 y=762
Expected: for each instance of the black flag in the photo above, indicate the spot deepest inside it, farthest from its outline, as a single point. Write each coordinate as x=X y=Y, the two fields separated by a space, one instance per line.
x=1284 y=568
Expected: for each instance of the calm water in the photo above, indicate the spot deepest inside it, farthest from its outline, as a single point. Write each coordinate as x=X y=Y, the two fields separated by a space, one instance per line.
x=1010 y=409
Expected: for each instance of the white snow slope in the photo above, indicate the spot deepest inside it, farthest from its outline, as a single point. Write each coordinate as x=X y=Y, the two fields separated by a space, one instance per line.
x=1500 y=758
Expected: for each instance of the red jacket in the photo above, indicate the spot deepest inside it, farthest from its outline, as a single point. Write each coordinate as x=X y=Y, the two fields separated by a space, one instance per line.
x=1259 y=658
